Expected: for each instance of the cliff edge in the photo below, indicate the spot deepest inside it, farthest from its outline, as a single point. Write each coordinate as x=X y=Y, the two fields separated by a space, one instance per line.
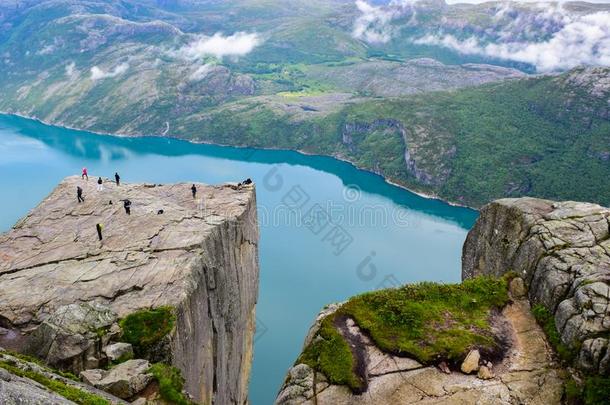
x=562 y=251
x=529 y=324
x=64 y=293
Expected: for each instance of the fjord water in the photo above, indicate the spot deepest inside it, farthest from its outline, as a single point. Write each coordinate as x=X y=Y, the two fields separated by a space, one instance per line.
x=368 y=235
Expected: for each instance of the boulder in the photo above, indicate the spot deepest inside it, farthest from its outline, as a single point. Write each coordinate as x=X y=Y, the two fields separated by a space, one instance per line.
x=471 y=362
x=517 y=288
x=124 y=380
x=117 y=352
x=485 y=373
x=444 y=367
x=70 y=337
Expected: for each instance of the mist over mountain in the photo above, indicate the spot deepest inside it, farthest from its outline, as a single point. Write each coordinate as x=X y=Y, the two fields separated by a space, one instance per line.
x=546 y=36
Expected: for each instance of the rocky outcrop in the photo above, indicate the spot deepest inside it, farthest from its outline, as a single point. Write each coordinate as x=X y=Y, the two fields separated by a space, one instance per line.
x=562 y=251
x=18 y=390
x=124 y=381
x=119 y=351
x=526 y=375
x=70 y=337
x=23 y=385
x=196 y=255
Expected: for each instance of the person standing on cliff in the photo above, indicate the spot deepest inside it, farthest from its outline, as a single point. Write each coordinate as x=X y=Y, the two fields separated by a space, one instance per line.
x=127 y=206
x=100 y=184
x=79 y=194
x=98 y=228
x=85 y=174
x=194 y=191
x=117 y=178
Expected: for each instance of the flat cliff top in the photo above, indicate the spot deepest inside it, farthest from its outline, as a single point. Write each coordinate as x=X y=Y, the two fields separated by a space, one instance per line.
x=53 y=256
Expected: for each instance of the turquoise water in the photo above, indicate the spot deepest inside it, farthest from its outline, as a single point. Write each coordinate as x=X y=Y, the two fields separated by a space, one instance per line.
x=368 y=234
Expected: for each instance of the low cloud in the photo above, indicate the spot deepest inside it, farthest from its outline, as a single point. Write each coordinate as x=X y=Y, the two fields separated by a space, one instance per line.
x=546 y=36
x=98 y=74
x=374 y=23
x=218 y=45
x=584 y=40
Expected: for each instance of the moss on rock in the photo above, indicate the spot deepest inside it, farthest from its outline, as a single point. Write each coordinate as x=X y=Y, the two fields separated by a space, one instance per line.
x=171 y=384
x=67 y=391
x=429 y=322
x=147 y=327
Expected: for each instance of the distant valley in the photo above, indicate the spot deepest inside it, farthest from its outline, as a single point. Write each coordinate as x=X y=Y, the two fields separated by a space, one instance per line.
x=458 y=101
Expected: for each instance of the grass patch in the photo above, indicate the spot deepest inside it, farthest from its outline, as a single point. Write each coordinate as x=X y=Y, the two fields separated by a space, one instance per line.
x=597 y=390
x=429 y=322
x=39 y=362
x=145 y=328
x=332 y=356
x=573 y=391
x=171 y=384
x=60 y=388
x=547 y=321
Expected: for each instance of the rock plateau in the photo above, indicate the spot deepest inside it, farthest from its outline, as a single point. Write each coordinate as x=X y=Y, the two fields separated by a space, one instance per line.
x=59 y=283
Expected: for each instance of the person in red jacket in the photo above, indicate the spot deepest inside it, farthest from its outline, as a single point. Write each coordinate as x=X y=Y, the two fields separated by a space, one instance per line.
x=85 y=175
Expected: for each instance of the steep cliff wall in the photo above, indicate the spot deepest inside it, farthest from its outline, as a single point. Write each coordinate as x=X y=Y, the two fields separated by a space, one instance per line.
x=562 y=251
x=196 y=255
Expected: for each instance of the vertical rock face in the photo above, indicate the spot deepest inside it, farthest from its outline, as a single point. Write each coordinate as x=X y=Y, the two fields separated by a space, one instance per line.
x=562 y=251
x=197 y=255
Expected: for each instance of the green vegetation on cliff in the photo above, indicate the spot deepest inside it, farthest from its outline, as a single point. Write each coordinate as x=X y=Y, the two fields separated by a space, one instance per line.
x=594 y=389
x=332 y=356
x=547 y=321
x=67 y=391
x=147 y=327
x=429 y=322
x=171 y=384
x=544 y=137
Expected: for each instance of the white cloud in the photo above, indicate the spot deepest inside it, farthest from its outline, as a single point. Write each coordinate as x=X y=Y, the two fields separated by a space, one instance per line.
x=374 y=23
x=97 y=73
x=71 y=70
x=238 y=44
x=545 y=35
x=584 y=40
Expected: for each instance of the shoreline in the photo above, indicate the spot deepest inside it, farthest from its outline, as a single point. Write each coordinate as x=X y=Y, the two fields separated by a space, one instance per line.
x=304 y=153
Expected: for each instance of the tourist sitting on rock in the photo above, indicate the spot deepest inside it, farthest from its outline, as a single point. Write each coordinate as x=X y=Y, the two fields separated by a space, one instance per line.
x=79 y=194
x=247 y=181
x=100 y=184
x=127 y=206
x=194 y=191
